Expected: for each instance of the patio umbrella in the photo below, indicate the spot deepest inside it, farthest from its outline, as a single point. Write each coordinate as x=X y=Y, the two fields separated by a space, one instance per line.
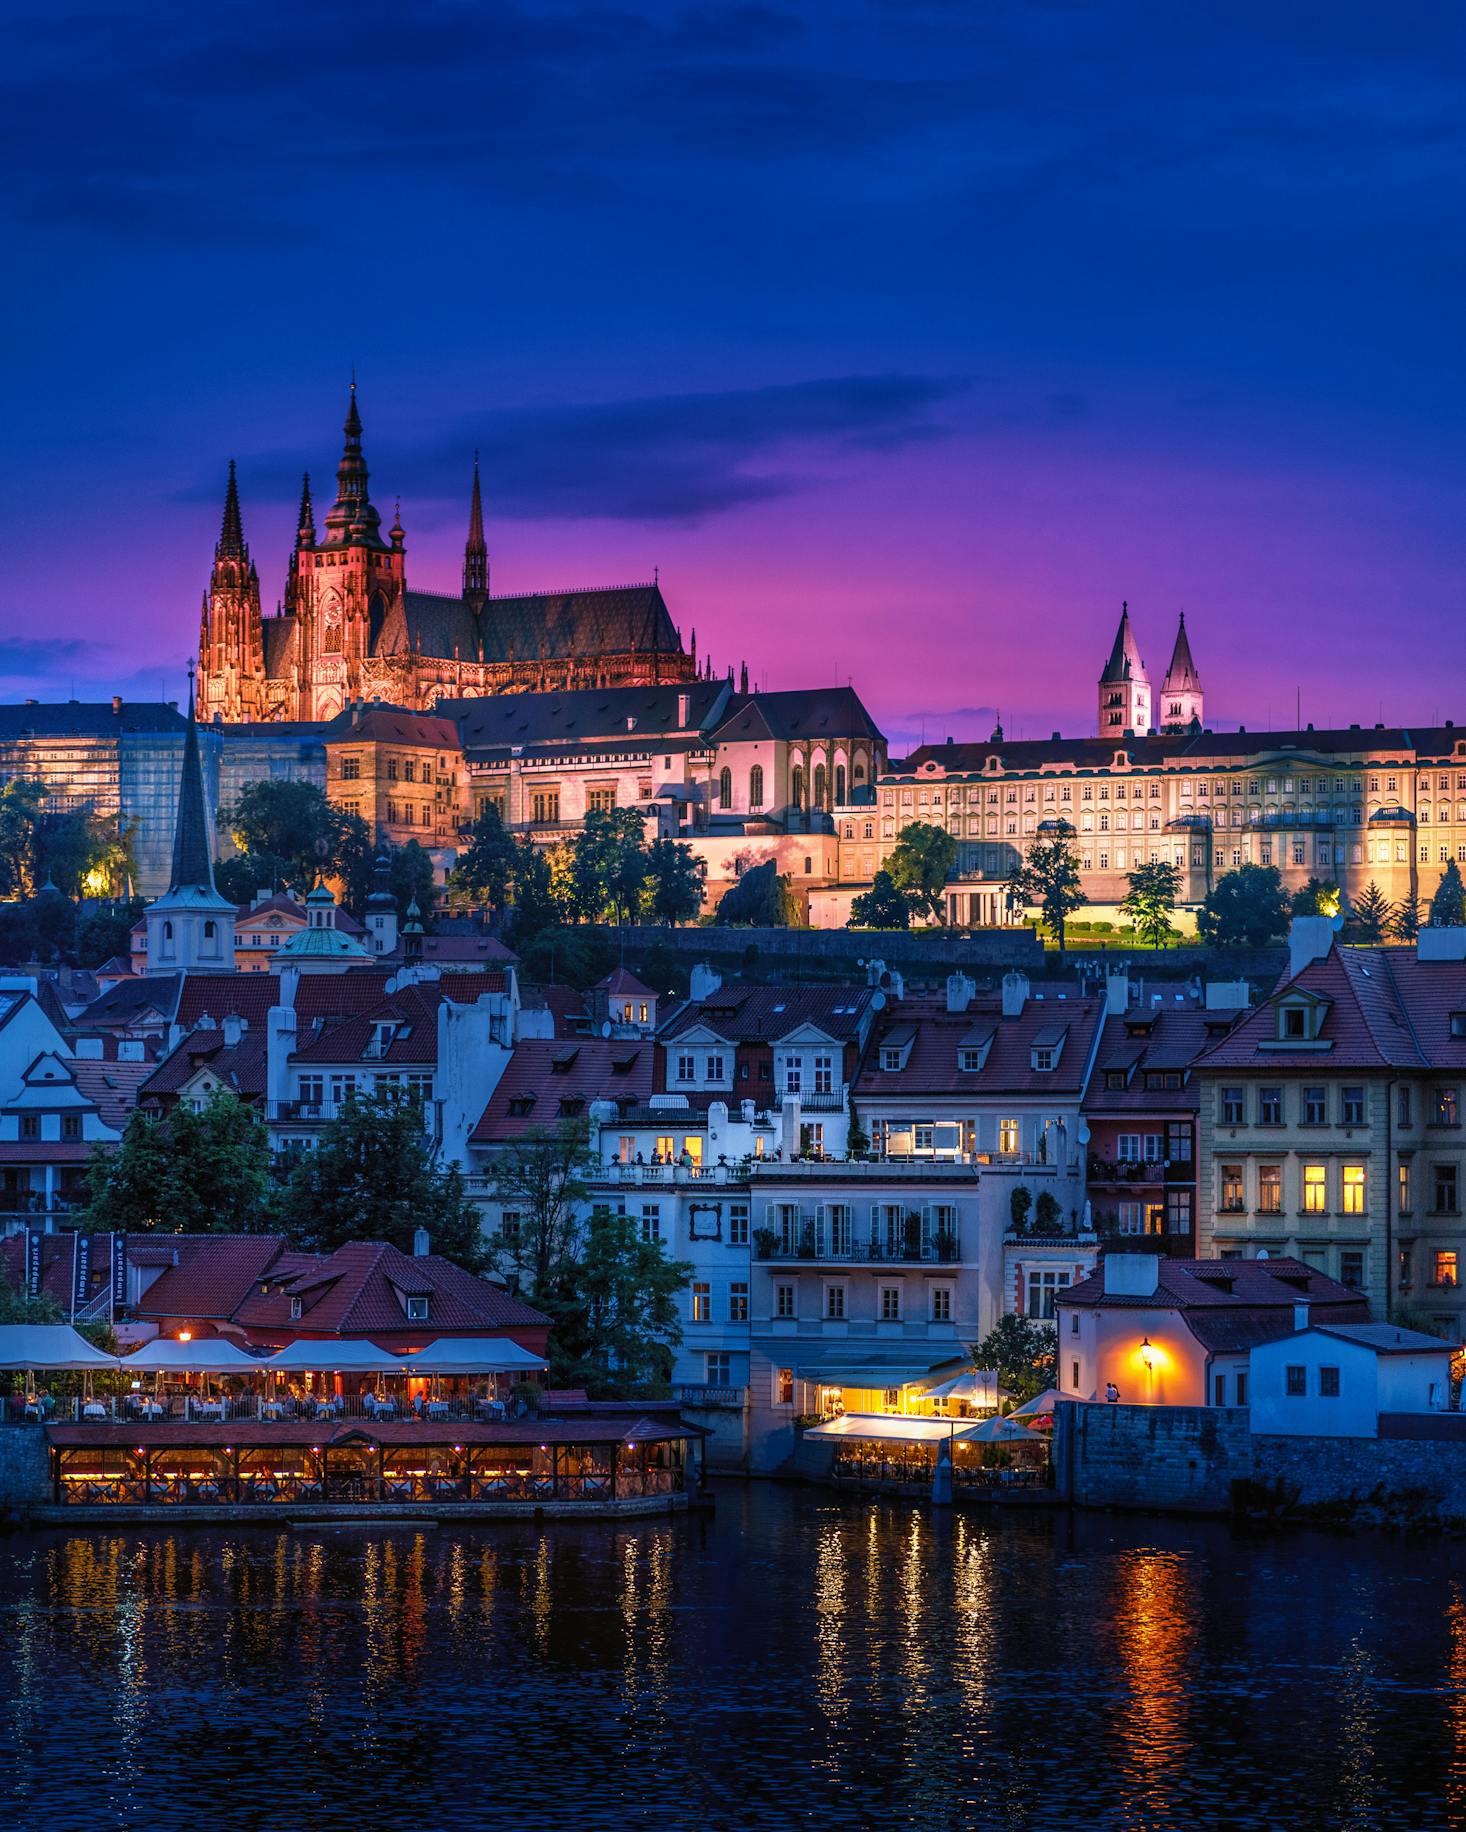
x=345 y=1355
x=207 y=1355
x=978 y=1386
x=52 y=1346
x=1000 y=1431
x=472 y=1355
x=1040 y=1405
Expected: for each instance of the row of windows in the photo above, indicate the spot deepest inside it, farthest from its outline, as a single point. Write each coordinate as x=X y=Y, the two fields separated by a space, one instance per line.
x=1317 y=1189
x=1150 y=788
x=835 y=1299
x=1317 y=1105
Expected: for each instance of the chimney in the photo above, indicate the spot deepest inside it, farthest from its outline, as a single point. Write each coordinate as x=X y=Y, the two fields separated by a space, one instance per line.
x=1131 y=1275
x=420 y=1243
x=1300 y=1316
x=1433 y=944
x=234 y=1029
x=1015 y=993
x=684 y=708
x=116 y=703
x=703 y=981
x=1117 y=992
x=1309 y=939
x=959 y=991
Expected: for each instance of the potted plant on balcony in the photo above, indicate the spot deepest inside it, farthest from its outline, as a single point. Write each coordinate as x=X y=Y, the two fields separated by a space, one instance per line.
x=946 y=1239
x=806 y=1240
x=1048 y=1217
x=1019 y=1203
x=911 y=1236
x=764 y=1242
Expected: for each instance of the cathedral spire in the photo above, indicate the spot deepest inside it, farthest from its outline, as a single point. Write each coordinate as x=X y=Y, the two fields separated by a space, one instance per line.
x=305 y=523
x=1182 y=702
x=475 y=549
x=1124 y=686
x=351 y=520
x=231 y=536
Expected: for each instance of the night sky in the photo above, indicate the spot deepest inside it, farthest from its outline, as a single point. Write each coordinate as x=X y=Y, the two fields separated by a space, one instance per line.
x=906 y=340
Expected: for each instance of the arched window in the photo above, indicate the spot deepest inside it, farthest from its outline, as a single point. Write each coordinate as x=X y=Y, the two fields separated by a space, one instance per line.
x=725 y=788
x=839 y=785
x=796 y=786
x=819 y=785
x=167 y=931
x=859 y=771
x=756 y=786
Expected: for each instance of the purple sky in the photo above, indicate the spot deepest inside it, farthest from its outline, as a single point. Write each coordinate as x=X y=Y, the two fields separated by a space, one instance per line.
x=906 y=339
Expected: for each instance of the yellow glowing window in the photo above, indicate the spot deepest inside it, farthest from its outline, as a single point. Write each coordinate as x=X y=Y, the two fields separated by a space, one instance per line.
x=1353 y=1189
x=1008 y=1136
x=692 y=1147
x=1315 y=1189
x=1445 y=1268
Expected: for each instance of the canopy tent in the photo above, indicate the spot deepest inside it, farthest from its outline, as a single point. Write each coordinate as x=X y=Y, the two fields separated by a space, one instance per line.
x=891 y=1428
x=206 y=1355
x=1041 y=1405
x=871 y=1376
x=978 y=1386
x=345 y=1355
x=51 y=1346
x=1001 y=1431
x=472 y=1355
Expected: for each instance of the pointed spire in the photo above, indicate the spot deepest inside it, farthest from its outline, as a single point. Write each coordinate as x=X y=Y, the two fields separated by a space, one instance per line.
x=1181 y=676
x=352 y=519
x=475 y=549
x=397 y=531
x=1124 y=663
x=305 y=524
x=192 y=854
x=231 y=535
x=743 y=678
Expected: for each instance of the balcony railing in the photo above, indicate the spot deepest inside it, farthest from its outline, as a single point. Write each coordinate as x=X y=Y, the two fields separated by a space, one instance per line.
x=829 y=1100
x=825 y=1241
x=702 y=1395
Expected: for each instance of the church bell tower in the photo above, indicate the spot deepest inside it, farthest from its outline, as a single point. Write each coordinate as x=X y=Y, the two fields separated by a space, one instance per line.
x=231 y=637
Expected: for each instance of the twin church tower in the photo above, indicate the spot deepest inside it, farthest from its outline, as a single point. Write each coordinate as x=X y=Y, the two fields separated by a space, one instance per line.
x=350 y=628
x=1125 y=703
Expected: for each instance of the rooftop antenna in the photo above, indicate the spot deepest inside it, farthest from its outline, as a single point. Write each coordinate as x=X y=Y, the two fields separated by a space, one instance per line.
x=1297 y=709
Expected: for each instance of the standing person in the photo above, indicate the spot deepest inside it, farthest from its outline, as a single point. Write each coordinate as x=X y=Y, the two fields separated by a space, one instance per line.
x=1112 y=1394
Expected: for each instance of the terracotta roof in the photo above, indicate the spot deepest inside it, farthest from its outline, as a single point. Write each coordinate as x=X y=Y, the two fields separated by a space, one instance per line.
x=446 y=950
x=565 y=1004
x=378 y=723
x=546 y=1081
x=1172 y=1038
x=354 y=1292
x=1365 y=1024
x=585 y=716
x=619 y=980
x=240 y=1066
x=222 y=995
x=141 y=999
x=763 y=1014
x=1216 y=1284
x=212 y=1276
x=936 y=1035
x=112 y=1087
x=414 y=1013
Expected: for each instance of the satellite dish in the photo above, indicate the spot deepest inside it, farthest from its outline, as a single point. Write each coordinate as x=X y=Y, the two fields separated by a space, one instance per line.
x=1262 y=1253
x=605 y=1027
x=877 y=1000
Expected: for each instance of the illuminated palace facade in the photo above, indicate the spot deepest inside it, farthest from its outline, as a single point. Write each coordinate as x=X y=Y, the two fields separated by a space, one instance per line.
x=348 y=628
x=1368 y=804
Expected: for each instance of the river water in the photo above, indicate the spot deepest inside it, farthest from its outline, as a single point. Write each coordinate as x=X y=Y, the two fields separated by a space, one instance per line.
x=796 y=1660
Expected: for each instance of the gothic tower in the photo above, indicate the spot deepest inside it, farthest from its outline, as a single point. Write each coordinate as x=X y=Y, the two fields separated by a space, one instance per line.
x=1124 y=686
x=348 y=584
x=231 y=639
x=1181 y=698
x=476 y=551
x=191 y=927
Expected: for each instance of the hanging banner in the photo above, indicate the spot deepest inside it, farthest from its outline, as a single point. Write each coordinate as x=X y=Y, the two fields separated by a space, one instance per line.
x=119 y=1273
x=81 y=1290
x=33 y=1262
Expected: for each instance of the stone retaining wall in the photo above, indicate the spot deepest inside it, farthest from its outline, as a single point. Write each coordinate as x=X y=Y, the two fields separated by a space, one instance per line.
x=25 y=1468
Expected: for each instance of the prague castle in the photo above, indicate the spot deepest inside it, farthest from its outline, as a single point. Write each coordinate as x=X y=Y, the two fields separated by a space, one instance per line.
x=349 y=628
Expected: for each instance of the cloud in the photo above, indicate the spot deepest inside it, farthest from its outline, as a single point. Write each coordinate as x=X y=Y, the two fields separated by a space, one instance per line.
x=654 y=458
x=22 y=657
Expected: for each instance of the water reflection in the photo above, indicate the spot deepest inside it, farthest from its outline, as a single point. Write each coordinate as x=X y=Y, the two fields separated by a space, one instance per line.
x=798 y=1660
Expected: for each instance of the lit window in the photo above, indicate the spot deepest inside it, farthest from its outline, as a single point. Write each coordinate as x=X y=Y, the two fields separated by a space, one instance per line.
x=702 y=1304
x=1315 y=1189
x=1353 y=1189
x=1445 y=1267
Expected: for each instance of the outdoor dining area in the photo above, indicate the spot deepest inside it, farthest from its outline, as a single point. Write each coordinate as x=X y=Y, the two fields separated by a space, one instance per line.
x=198 y=1425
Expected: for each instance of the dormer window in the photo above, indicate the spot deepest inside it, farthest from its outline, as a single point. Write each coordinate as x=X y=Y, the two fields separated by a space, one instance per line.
x=1115 y=1079
x=1043 y=1058
x=417 y=1310
x=969 y=1061
x=891 y=1059
x=1292 y=1022
x=1458 y=1023
x=296 y=1307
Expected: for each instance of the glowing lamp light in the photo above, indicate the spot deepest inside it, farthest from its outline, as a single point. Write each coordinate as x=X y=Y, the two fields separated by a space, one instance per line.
x=1147 y=1353
x=185 y=1335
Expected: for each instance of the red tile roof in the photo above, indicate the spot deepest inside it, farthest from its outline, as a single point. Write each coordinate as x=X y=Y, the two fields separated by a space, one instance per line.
x=619 y=980
x=1225 y=1285
x=1142 y=1043
x=932 y=1037
x=112 y=1087
x=240 y=1066
x=565 y=1005
x=762 y=1014
x=212 y=1276
x=356 y=1292
x=414 y=1012
x=546 y=1081
x=1366 y=1024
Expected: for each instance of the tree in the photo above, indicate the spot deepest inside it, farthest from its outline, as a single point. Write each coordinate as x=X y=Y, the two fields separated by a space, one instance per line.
x=1319 y=897
x=185 y=1172
x=617 y=1326
x=22 y=801
x=486 y=867
x=106 y=932
x=536 y=907
x=1244 y=908
x=1020 y=1201
x=372 y=1176
x=413 y=880
x=55 y=918
x=578 y=956
x=919 y=866
x=881 y=907
x=238 y=878
x=17 y=934
x=1407 y=918
x=1448 y=906
x=1151 y=900
x=540 y=1177
x=609 y=865
x=1049 y=877
x=761 y=899
x=84 y=853
x=1023 y=1351
x=674 y=882
x=1370 y=916
x=293 y=835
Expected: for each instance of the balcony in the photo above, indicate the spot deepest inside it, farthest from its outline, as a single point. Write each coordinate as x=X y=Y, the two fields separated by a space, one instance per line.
x=1110 y=1173
x=704 y=1395
x=823 y=1242
x=811 y=1100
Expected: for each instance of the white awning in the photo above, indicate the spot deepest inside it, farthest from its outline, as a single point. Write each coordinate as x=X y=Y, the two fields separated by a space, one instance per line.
x=52 y=1346
x=978 y=1386
x=1039 y=1405
x=890 y=1428
x=344 y=1355
x=473 y=1355
x=872 y=1376
x=205 y=1355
